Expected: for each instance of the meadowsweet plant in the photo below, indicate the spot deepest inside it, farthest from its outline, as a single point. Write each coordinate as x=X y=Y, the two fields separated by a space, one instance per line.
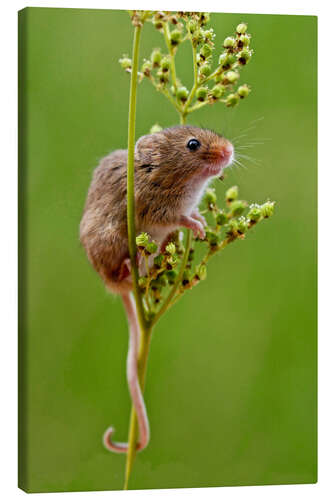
x=182 y=262
x=210 y=84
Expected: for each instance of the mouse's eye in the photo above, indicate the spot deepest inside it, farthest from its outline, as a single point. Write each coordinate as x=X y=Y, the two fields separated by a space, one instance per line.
x=193 y=144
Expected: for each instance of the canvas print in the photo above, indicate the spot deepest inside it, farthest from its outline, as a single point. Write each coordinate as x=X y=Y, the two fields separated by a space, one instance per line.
x=167 y=249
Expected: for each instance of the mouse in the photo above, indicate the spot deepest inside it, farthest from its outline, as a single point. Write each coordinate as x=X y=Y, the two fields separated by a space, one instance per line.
x=172 y=169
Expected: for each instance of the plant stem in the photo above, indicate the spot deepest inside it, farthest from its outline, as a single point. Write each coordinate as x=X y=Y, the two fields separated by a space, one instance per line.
x=144 y=325
x=130 y=179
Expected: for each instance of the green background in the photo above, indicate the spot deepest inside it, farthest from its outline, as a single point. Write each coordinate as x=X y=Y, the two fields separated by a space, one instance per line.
x=231 y=387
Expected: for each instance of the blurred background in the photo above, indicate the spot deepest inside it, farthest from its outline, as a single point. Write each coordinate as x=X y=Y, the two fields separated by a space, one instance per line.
x=231 y=386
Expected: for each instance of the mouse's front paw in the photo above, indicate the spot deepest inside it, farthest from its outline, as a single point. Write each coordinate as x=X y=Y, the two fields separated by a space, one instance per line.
x=195 y=225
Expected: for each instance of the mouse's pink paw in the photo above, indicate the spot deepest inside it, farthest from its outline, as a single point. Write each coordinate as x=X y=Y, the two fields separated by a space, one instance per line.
x=197 y=216
x=195 y=225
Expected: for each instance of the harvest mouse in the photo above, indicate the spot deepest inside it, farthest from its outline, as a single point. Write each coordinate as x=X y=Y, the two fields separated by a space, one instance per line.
x=172 y=170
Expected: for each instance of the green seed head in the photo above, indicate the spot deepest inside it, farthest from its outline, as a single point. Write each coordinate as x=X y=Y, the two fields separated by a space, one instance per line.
x=209 y=35
x=142 y=282
x=210 y=196
x=212 y=238
x=165 y=63
x=254 y=212
x=243 y=91
x=229 y=42
x=151 y=247
x=156 y=58
x=205 y=69
x=170 y=248
x=237 y=207
x=175 y=37
x=223 y=59
x=218 y=91
x=242 y=225
x=206 y=51
x=171 y=276
x=146 y=68
x=232 y=100
x=201 y=272
x=204 y=18
x=245 y=40
x=221 y=218
x=232 y=76
x=202 y=93
x=126 y=62
x=241 y=28
x=267 y=209
x=142 y=240
x=244 y=56
x=158 y=261
x=155 y=128
x=232 y=194
x=232 y=227
x=192 y=26
x=182 y=94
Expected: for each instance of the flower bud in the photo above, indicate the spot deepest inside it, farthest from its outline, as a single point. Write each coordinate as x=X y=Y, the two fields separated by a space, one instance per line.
x=223 y=59
x=244 y=40
x=221 y=218
x=242 y=225
x=205 y=70
x=126 y=63
x=210 y=196
x=201 y=272
x=192 y=26
x=254 y=212
x=209 y=35
x=163 y=76
x=146 y=68
x=237 y=207
x=243 y=91
x=212 y=238
x=232 y=228
x=158 y=261
x=218 y=91
x=201 y=93
x=206 y=51
x=156 y=57
x=232 y=100
x=232 y=76
x=204 y=18
x=241 y=28
x=142 y=282
x=232 y=194
x=155 y=128
x=229 y=42
x=165 y=64
x=170 y=248
x=267 y=209
x=244 y=56
x=142 y=240
x=186 y=277
x=182 y=93
x=175 y=37
x=171 y=276
x=151 y=247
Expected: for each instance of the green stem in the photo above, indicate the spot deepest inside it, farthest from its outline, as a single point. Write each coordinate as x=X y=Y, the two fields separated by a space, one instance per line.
x=130 y=178
x=166 y=33
x=144 y=325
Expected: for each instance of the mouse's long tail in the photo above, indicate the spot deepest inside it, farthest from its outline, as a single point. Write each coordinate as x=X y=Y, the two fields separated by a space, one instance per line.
x=133 y=382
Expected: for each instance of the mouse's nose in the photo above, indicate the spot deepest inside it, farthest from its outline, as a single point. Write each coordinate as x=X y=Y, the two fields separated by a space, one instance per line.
x=226 y=152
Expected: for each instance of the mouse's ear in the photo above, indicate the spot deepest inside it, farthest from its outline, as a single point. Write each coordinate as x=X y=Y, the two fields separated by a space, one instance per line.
x=148 y=149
